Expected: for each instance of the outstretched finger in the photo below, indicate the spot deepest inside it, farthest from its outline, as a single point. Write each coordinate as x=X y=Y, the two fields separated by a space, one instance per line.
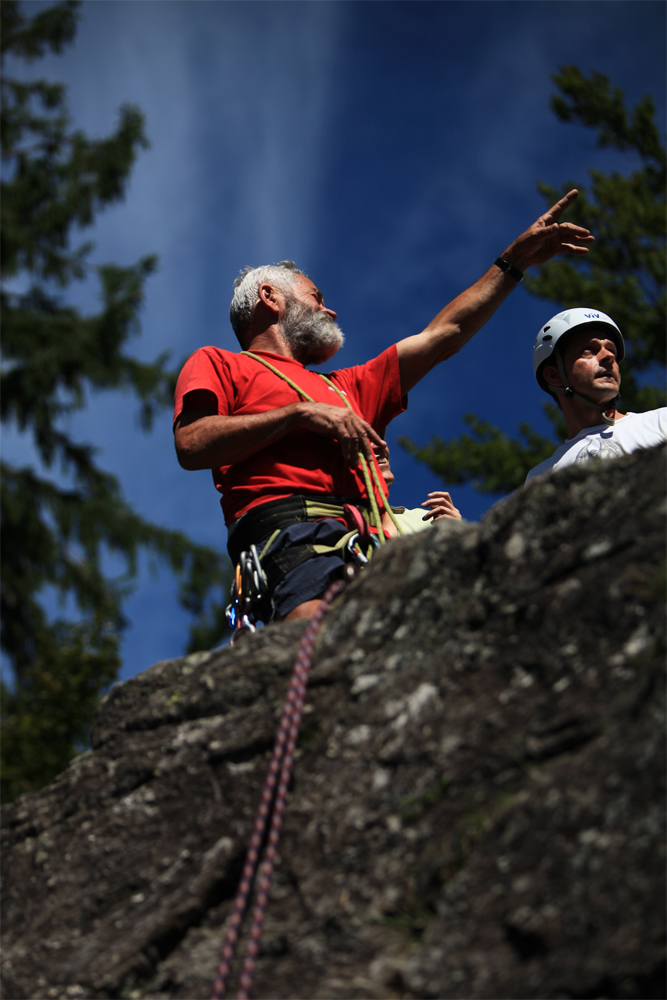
x=557 y=210
x=571 y=248
x=574 y=234
x=572 y=227
x=575 y=239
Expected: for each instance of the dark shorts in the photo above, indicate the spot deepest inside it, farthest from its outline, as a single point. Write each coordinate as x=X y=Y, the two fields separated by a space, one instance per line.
x=312 y=577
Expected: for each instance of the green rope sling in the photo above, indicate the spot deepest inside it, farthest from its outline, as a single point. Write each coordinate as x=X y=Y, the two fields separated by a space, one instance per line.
x=377 y=520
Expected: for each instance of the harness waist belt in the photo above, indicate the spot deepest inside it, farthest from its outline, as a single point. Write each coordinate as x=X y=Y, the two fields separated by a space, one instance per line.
x=260 y=522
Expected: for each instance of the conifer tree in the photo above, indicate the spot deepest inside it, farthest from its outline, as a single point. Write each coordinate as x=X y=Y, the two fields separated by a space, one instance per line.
x=624 y=276
x=55 y=181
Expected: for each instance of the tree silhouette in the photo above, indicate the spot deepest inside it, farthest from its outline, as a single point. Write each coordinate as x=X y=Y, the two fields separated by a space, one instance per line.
x=55 y=181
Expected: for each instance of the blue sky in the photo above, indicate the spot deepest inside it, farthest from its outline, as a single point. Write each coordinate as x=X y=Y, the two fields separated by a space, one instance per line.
x=391 y=148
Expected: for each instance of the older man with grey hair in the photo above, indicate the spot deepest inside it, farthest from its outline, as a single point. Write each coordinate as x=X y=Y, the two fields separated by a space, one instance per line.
x=291 y=450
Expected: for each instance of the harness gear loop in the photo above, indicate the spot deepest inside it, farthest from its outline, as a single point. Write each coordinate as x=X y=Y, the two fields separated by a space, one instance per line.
x=272 y=806
x=249 y=590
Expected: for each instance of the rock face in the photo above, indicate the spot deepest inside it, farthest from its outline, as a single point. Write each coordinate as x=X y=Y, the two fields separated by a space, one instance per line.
x=477 y=807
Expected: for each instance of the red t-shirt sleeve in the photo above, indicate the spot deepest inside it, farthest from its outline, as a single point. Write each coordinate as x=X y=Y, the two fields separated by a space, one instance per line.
x=205 y=370
x=374 y=388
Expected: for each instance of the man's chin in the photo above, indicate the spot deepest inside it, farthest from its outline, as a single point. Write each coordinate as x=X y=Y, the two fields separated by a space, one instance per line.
x=605 y=389
x=606 y=399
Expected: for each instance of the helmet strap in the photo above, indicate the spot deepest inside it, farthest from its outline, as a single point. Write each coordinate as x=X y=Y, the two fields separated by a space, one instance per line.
x=606 y=410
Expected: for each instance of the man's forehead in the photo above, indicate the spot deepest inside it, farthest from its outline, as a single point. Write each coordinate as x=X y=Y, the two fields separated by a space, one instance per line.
x=580 y=338
x=306 y=284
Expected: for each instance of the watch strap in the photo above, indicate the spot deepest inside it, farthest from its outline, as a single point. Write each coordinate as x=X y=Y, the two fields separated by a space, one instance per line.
x=505 y=265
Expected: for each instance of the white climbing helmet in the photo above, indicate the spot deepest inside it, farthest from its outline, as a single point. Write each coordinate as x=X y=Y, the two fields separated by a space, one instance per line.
x=546 y=346
x=563 y=323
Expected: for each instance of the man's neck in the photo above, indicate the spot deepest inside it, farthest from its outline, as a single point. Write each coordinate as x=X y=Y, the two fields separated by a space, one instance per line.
x=270 y=340
x=578 y=417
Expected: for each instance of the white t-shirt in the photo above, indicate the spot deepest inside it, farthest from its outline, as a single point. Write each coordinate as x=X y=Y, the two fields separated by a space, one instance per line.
x=411 y=520
x=629 y=433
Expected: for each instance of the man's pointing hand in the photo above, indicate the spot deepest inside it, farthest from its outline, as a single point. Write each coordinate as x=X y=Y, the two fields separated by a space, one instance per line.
x=548 y=237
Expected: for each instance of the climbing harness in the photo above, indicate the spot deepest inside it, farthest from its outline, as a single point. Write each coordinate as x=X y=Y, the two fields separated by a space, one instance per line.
x=377 y=522
x=262 y=521
x=256 y=575
x=272 y=806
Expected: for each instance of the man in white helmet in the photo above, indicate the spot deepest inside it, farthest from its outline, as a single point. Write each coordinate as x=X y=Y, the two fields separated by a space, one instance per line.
x=575 y=359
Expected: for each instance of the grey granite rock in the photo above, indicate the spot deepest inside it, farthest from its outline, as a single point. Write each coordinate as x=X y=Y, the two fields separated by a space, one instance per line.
x=477 y=807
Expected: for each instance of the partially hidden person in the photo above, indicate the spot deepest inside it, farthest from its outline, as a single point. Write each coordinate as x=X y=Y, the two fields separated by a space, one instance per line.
x=438 y=505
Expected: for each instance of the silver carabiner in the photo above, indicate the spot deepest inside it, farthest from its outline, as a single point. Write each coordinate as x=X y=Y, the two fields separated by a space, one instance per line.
x=258 y=575
x=244 y=625
x=357 y=554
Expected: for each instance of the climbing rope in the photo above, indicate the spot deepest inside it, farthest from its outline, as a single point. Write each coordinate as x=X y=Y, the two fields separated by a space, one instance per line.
x=272 y=805
x=367 y=482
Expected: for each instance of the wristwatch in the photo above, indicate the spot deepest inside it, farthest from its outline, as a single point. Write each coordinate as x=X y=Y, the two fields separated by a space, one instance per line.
x=505 y=265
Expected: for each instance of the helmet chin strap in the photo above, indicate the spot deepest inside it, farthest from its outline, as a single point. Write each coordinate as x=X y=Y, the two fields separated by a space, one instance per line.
x=606 y=410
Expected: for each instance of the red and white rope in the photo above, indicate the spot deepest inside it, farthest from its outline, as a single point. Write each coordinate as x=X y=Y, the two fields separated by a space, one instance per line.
x=272 y=805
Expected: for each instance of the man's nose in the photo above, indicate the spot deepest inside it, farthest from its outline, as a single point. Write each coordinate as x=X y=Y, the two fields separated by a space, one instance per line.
x=329 y=312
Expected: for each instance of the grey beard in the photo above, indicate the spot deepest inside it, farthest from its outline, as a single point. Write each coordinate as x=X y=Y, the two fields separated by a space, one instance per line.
x=312 y=335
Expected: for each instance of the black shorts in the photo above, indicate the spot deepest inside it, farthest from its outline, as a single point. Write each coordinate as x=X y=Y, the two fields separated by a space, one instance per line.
x=295 y=572
x=312 y=577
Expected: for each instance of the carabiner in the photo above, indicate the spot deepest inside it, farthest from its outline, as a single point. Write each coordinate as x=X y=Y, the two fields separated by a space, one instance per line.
x=357 y=555
x=244 y=625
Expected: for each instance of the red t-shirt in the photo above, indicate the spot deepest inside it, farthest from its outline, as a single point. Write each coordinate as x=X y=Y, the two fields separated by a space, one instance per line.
x=302 y=461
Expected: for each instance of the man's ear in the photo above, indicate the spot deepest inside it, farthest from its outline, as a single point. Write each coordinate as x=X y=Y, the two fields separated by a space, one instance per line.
x=268 y=296
x=551 y=376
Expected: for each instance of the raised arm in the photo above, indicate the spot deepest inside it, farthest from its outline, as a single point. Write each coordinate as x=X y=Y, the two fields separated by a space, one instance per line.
x=206 y=440
x=468 y=312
